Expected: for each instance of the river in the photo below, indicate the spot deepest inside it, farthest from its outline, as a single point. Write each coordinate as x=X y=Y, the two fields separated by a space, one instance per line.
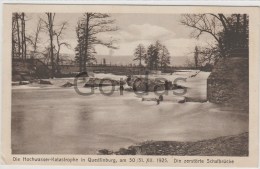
x=59 y=121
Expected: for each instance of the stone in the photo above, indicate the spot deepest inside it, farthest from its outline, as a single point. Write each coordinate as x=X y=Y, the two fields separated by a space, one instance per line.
x=15 y=83
x=24 y=82
x=147 y=84
x=161 y=97
x=97 y=82
x=123 y=151
x=68 y=84
x=17 y=77
x=176 y=86
x=158 y=102
x=182 y=101
x=45 y=82
x=105 y=152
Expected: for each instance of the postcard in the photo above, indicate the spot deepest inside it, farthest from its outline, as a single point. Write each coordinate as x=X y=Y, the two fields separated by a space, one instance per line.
x=130 y=85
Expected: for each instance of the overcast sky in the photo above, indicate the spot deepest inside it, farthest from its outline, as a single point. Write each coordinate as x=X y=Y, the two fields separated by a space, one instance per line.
x=133 y=30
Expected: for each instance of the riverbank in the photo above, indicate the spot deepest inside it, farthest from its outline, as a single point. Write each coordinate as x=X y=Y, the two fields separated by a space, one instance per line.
x=236 y=145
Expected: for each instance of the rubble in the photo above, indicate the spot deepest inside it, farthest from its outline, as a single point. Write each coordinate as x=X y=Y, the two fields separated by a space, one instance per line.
x=68 y=84
x=45 y=82
x=24 y=82
x=105 y=152
x=236 y=145
x=96 y=82
x=149 y=85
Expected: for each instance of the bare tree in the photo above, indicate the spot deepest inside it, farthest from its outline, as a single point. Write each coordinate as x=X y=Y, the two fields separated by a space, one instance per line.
x=14 y=33
x=49 y=26
x=58 y=33
x=34 y=39
x=207 y=55
x=229 y=32
x=79 y=48
x=196 y=56
x=24 y=47
x=17 y=17
x=55 y=37
x=19 y=38
x=204 y=23
x=189 y=63
x=89 y=27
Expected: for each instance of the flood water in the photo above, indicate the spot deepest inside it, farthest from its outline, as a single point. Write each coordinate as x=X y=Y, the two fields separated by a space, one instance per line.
x=59 y=121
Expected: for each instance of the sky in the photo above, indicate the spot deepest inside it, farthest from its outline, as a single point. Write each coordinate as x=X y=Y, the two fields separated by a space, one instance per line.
x=133 y=30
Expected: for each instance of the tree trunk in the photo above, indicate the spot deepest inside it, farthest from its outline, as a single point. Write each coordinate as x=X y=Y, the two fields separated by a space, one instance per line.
x=86 y=43
x=244 y=24
x=50 y=19
x=140 y=55
x=80 y=57
x=245 y=31
x=58 y=56
x=22 y=30
x=237 y=24
x=13 y=40
x=23 y=37
x=18 y=34
x=58 y=60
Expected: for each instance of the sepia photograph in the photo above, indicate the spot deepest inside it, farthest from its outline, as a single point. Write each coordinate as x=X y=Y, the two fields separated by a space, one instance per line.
x=129 y=85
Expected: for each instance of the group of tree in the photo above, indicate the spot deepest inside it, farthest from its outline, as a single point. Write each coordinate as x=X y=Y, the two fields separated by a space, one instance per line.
x=19 y=39
x=55 y=33
x=26 y=44
x=156 y=56
x=230 y=33
x=88 y=28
